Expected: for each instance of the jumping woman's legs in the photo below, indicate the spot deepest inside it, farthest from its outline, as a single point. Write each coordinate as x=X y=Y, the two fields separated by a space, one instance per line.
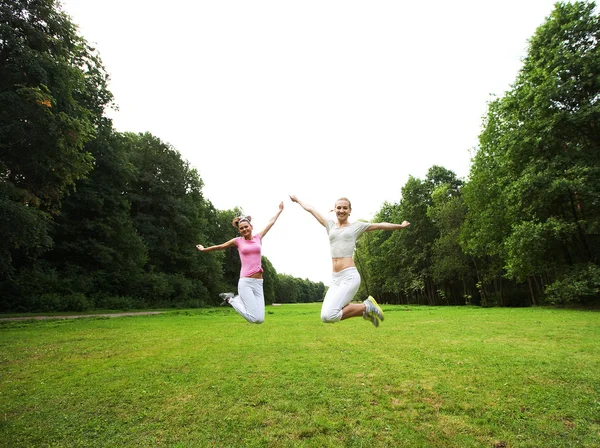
x=343 y=288
x=250 y=301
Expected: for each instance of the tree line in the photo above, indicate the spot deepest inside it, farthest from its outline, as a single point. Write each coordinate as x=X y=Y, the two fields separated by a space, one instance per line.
x=524 y=228
x=91 y=217
x=95 y=218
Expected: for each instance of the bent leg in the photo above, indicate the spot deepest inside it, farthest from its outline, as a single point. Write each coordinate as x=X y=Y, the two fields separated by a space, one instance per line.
x=250 y=301
x=343 y=288
x=353 y=310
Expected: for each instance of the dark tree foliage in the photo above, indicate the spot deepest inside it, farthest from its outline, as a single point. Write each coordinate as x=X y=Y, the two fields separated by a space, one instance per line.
x=95 y=242
x=52 y=94
x=230 y=259
x=269 y=280
x=166 y=201
x=171 y=216
x=52 y=97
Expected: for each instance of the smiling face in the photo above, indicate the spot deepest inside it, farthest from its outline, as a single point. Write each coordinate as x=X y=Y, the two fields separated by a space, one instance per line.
x=342 y=210
x=245 y=229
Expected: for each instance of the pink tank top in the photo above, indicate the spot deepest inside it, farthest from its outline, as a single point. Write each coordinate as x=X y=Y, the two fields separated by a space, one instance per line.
x=250 y=253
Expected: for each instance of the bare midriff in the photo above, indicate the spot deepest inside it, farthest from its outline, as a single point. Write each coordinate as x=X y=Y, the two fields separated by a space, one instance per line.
x=339 y=264
x=257 y=275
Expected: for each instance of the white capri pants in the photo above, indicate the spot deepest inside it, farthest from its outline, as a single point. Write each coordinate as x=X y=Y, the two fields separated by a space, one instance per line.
x=343 y=288
x=250 y=301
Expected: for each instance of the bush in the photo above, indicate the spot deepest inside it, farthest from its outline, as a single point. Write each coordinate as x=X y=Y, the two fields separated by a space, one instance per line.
x=53 y=302
x=579 y=285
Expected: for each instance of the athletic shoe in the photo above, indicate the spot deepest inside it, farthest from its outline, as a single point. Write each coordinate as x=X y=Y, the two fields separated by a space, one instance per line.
x=372 y=309
x=226 y=296
x=372 y=317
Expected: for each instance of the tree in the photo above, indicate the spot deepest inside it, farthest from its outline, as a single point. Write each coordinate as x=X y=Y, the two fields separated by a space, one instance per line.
x=172 y=216
x=286 y=291
x=165 y=200
x=269 y=280
x=451 y=268
x=222 y=231
x=52 y=95
x=53 y=92
x=96 y=246
x=532 y=197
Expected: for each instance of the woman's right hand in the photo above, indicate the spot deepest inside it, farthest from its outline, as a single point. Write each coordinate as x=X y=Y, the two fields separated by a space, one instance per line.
x=293 y=198
x=200 y=247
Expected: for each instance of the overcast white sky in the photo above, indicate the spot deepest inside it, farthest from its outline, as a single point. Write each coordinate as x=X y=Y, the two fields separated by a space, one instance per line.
x=320 y=99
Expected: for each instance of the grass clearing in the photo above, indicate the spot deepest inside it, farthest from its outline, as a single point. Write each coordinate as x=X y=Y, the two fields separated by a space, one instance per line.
x=427 y=377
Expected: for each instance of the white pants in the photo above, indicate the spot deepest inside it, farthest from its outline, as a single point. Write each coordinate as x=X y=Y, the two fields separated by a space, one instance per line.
x=343 y=288
x=250 y=301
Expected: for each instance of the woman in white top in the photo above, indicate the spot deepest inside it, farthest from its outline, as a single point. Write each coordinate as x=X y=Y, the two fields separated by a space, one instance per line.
x=345 y=279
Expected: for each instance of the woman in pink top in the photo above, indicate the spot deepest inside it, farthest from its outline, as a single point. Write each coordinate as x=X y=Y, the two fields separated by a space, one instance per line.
x=250 y=301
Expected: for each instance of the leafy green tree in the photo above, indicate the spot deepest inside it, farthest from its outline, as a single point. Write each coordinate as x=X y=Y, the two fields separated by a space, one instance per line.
x=487 y=223
x=534 y=187
x=425 y=263
x=96 y=244
x=381 y=258
x=303 y=290
x=52 y=95
x=24 y=233
x=451 y=268
x=165 y=200
x=554 y=107
x=53 y=92
x=398 y=264
x=270 y=279
x=286 y=291
x=316 y=291
x=172 y=216
x=230 y=259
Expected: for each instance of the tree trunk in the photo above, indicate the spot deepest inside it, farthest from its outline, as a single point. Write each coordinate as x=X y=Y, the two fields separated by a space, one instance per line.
x=582 y=234
x=531 y=291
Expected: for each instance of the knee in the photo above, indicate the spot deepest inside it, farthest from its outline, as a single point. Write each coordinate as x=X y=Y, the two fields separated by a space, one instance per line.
x=330 y=317
x=257 y=320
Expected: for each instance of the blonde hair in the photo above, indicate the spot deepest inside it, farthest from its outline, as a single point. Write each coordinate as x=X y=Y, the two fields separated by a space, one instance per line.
x=345 y=199
x=342 y=199
x=236 y=221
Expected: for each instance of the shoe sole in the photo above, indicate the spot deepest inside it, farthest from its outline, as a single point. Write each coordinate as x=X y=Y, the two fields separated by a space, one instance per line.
x=375 y=320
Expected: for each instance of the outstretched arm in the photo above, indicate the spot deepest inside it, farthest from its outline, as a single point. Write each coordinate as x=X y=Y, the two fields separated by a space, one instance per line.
x=229 y=243
x=309 y=209
x=264 y=231
x=387 y=226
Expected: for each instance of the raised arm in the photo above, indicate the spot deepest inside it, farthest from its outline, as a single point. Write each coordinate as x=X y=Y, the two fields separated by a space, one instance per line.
x=264 y=231
x=225 y=245
x=387 y=226
x=309 y=209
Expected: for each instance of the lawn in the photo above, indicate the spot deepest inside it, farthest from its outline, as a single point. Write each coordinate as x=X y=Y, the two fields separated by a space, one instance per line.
x=427 y=377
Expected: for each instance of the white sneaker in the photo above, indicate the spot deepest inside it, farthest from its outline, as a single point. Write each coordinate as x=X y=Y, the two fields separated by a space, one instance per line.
x=226 y=296
x=373 y=311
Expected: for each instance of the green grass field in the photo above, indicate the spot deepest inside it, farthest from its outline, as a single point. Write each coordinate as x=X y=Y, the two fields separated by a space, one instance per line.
x=427 y=377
